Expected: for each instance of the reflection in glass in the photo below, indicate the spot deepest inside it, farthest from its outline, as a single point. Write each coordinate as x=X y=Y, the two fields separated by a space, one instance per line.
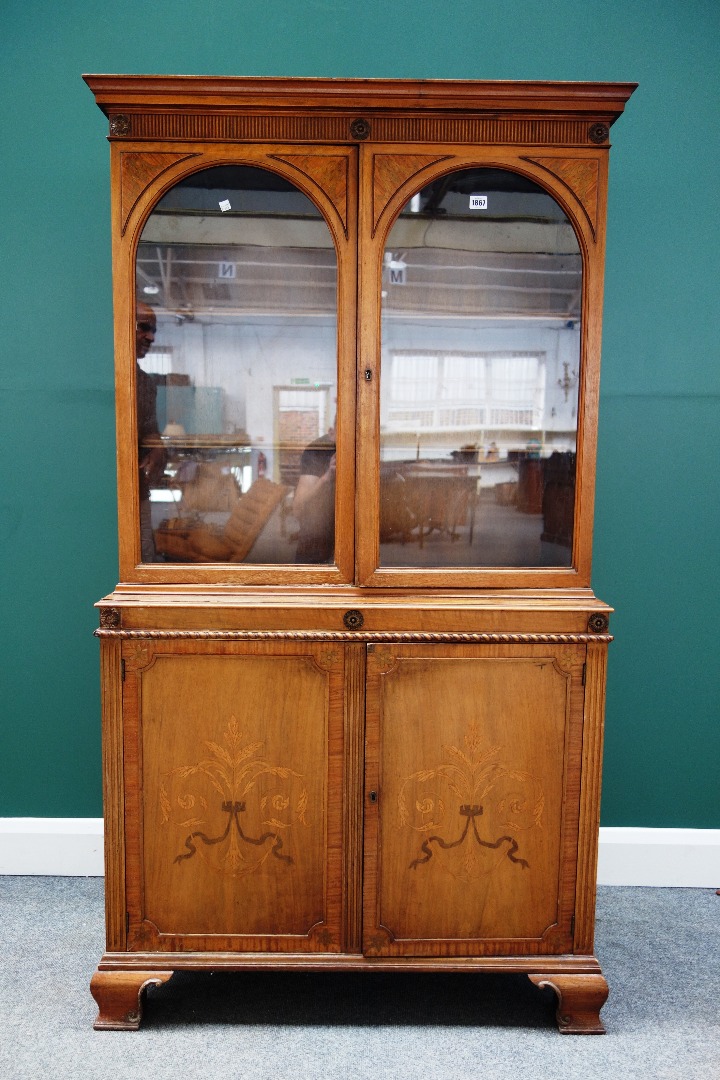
x=480 y=366
x=237 y=371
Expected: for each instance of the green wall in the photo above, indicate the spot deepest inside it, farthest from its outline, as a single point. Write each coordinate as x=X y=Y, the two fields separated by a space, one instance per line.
x=657 y=523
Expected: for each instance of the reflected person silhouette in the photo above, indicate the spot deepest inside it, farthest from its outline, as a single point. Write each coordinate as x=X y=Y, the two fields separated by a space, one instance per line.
x=151 y=459
x=314 y=501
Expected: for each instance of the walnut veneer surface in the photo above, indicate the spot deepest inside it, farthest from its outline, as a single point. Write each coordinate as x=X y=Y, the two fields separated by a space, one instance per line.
x=354 y=766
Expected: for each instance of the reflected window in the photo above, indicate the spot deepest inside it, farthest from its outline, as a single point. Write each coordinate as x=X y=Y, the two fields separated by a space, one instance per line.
x=481 y=299
x=236 y=280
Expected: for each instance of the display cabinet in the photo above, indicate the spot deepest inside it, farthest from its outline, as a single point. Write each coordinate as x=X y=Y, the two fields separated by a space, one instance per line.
x=354 y=671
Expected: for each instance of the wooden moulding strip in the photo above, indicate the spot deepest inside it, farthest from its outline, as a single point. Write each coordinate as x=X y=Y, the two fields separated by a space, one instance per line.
x=353 y=794
x=593 y=729
x=113 y=787
x=417 y=637
x=186 y=961
x=113 y=92
x=523 y=130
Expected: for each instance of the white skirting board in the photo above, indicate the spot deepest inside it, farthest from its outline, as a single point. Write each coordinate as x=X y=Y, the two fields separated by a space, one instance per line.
x=73 y=847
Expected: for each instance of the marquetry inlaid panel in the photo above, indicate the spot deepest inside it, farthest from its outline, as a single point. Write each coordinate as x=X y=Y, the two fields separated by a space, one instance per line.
x=329 y=172
x=467 y=838
x=581 y=176
x=137 y=171
x=390 y=172
x=234 y=750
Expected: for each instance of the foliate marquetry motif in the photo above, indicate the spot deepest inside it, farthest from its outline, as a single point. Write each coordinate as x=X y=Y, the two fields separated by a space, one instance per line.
x=471 y=802
x=566 y=660
x=383 y=658
x=329 y=172
x=378 y=941
x=329 y=659
x=581 y=176
x=390 y=171
x=210 y=802
x=143 y=937
x=139 y=655
x=139 y=170
x=323 y=936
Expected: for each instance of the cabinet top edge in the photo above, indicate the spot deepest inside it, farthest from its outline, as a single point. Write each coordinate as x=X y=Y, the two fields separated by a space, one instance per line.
x=187 y=91
x=571 y=600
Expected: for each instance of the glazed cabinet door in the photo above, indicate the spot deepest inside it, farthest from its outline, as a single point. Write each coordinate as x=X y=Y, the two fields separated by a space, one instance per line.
x=471 y=801
x=233 y=766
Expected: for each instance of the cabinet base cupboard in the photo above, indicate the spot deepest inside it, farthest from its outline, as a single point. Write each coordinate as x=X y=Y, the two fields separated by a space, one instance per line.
x=353 y=675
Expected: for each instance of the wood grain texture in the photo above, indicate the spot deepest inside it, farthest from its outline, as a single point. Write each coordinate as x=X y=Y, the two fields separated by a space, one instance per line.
x=284 y=792
x=353 y=794
x=113 y=793
x=235 y=961
x=119 y=997
x=471 y=840
x=190 y=95
x=580 y=999
x=391 y=172
x=589 y=824
x=581 y=176
x=235 y=841
x=137 y=170
x=329 y=172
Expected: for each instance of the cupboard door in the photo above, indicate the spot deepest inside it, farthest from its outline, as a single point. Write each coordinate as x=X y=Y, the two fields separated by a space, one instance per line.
x=471 y=808
x=237 y=382
x=233 y=761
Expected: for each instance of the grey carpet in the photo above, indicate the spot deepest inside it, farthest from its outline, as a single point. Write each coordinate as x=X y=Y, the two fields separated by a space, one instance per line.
x=659 y=948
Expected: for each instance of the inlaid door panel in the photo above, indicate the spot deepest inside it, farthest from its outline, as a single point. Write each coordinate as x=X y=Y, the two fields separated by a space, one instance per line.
x=471 y=805
x=231 y=754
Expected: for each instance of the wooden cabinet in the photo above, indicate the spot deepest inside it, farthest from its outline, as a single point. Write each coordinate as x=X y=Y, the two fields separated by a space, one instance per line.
x=353 y=671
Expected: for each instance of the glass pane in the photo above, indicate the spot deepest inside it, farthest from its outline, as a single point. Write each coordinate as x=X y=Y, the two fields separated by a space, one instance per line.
x=237 y=373
x=481 y=294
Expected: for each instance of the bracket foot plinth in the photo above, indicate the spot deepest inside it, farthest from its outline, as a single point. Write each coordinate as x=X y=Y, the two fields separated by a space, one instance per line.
x=580 y=999
x=119 y=997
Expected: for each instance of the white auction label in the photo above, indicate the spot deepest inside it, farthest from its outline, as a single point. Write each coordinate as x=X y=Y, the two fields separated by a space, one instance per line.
x=478 y=202
x=225 y=205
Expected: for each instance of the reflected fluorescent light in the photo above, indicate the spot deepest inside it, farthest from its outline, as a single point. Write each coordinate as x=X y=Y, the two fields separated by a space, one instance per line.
x=151 y=290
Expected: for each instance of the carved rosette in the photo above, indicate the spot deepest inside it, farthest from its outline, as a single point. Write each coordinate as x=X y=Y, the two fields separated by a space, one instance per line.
x=360 y=129
x=598 y=133
x=110 y=618
x=353 y=620
x=119 y=125
x=598 y=623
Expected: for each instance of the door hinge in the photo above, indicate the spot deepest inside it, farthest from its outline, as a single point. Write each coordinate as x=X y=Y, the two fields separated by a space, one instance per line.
x=122 y=671
x=584 y=673
x=572 y=926
x=127 y=922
